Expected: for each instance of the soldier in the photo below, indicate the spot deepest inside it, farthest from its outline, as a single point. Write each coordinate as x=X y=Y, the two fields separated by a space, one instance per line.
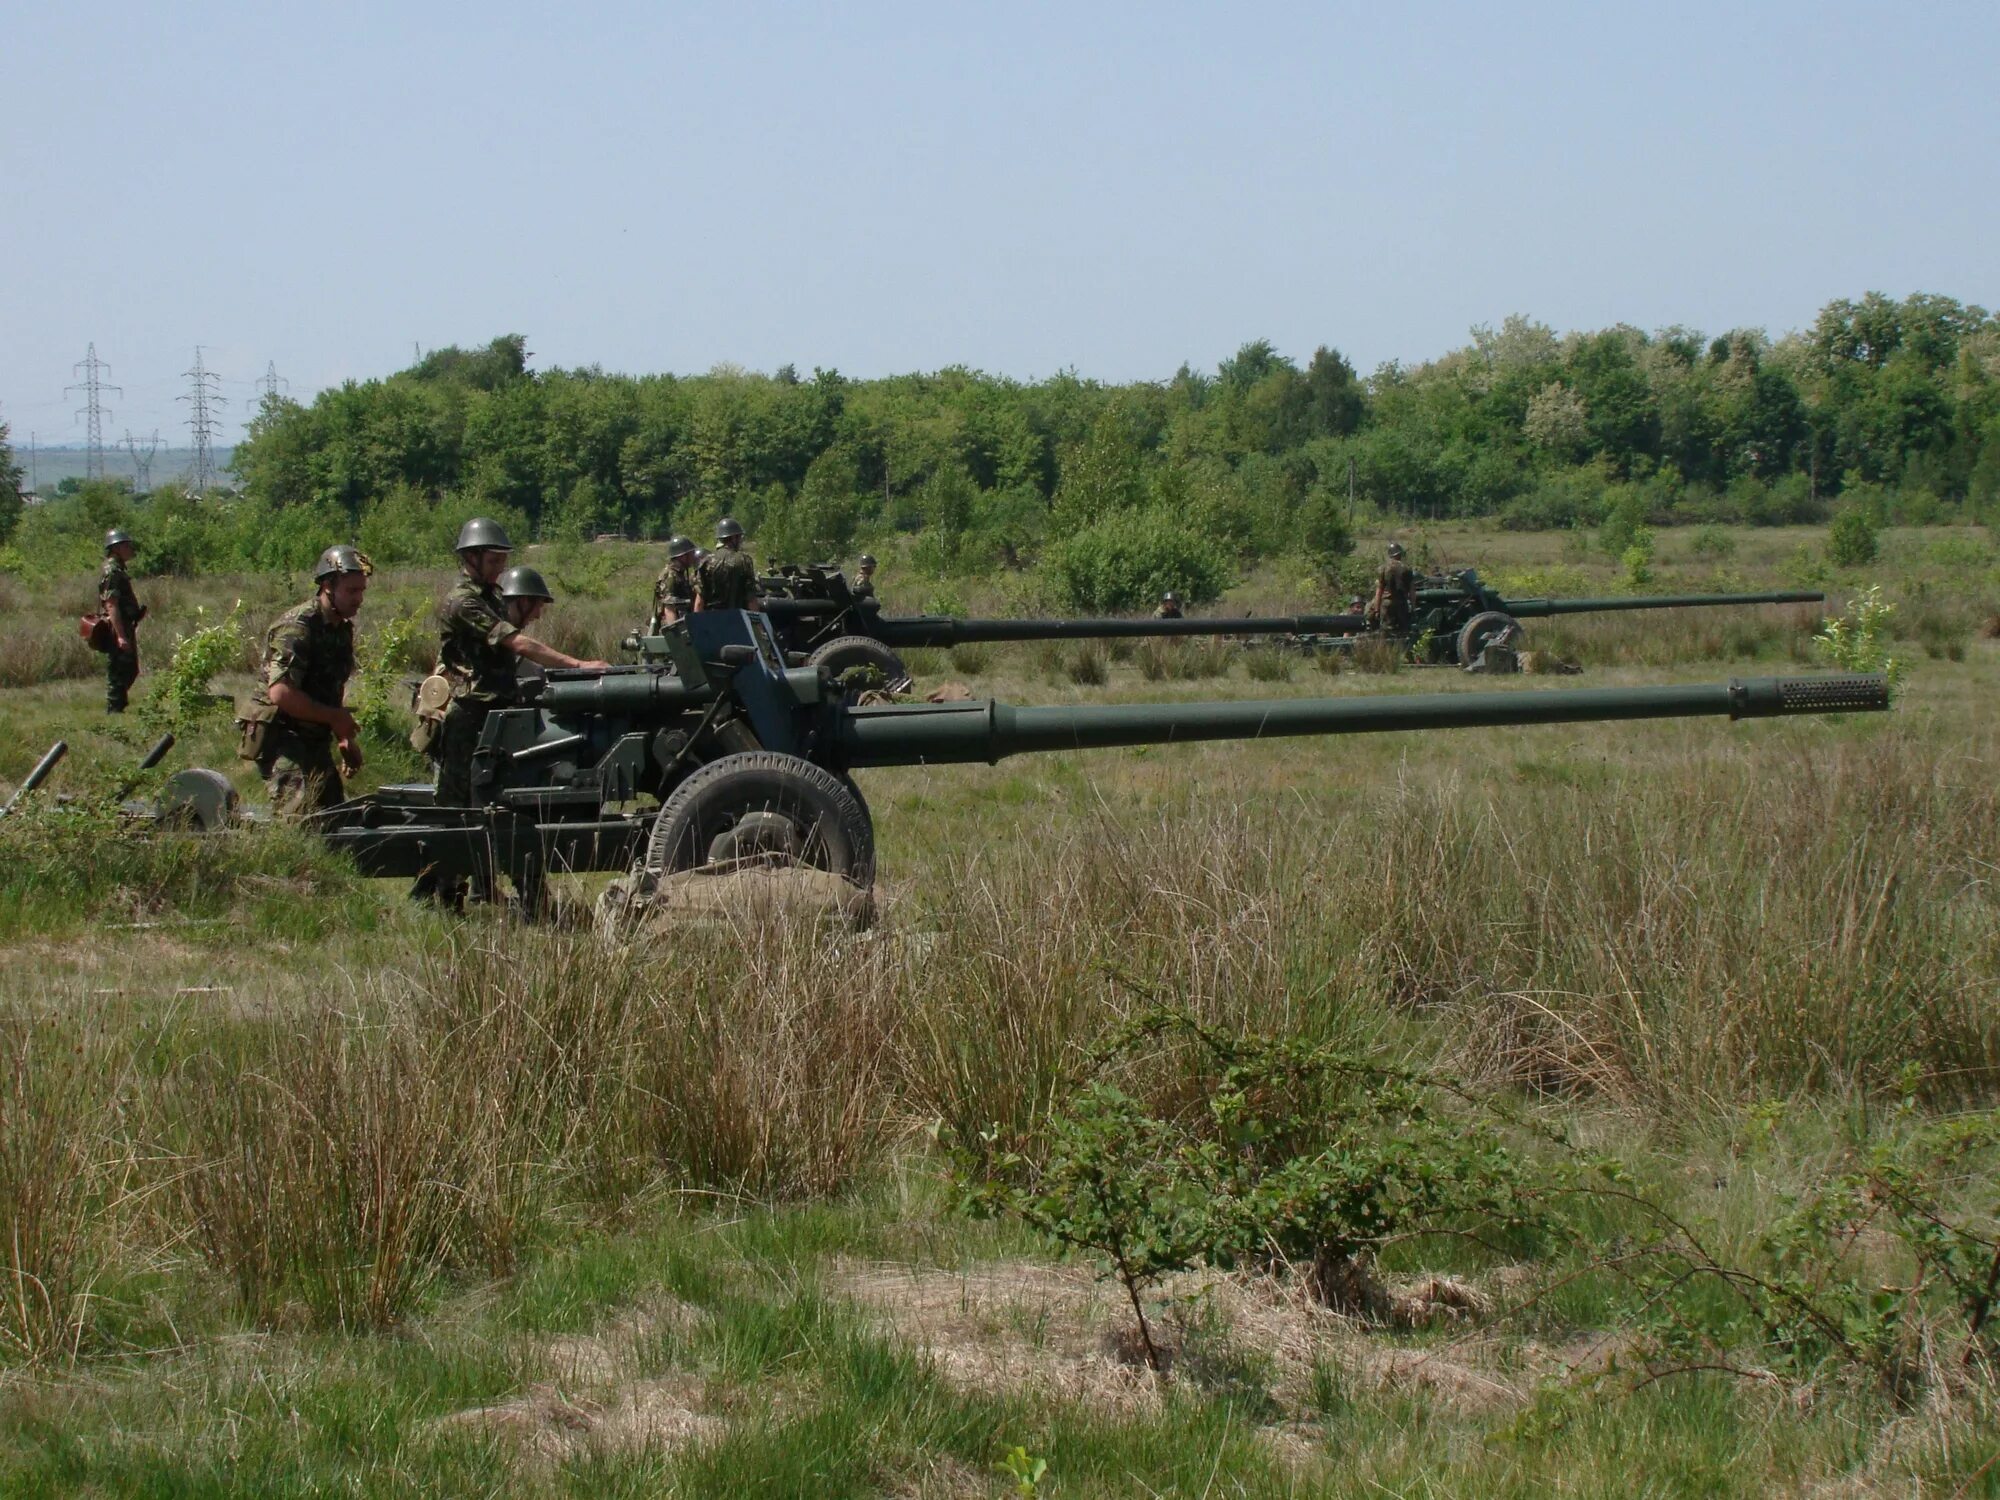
x=673 y=591
x=1170 y=606
x=120 y=609
x=863 y=586
x=298 y=715
x=479 y=647
x=1395 y=592
x=727 y=578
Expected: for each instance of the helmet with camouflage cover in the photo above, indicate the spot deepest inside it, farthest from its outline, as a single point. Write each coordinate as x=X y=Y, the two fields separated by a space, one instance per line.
x=341 y=558
x=524 y=583
x=482 y=534
x=681 y=546
x=118 y=537
x=728 y=527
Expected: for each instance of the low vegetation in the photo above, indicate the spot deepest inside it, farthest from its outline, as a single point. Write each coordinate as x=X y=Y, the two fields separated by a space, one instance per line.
x=1564 y=1102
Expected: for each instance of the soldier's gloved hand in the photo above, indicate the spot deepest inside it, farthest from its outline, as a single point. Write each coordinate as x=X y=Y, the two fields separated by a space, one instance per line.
x=350 y=755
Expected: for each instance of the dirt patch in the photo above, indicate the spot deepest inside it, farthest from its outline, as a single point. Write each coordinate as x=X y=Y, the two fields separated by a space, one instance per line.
x=593 y=1398
x=641 y=905
x=1058 y=1331
x=551 y=1426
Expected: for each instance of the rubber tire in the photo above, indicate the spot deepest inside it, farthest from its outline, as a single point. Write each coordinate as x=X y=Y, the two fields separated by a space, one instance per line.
x=837 y=833
x=1480 y=629
x=845 y=651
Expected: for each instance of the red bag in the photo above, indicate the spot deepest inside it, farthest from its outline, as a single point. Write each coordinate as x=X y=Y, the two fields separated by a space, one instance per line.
x=96 y=632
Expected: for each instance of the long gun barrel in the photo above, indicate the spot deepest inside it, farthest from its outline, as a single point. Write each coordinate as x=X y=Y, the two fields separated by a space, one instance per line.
x=153 y=757
x=40 y=774
x=941 y=734
x=1533 y=609
x=945 y=630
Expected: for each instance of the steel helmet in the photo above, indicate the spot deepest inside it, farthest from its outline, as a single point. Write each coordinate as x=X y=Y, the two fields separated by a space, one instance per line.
x=728 y=527
x=680 y=546
x=1395 y=549
x=1170 y=597
x=867 y=561
x=524 y=583
x=115 y=536
x=482 y=535
x=341 y=558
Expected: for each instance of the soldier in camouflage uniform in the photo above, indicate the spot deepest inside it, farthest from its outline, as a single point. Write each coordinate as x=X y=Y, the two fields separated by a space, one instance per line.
x=673 y=592
x=1395 y=593
x=120 y=609
x=863 y=586
x=728 y=575
x=298 y=715
x=480 y=646
x=1170 y=607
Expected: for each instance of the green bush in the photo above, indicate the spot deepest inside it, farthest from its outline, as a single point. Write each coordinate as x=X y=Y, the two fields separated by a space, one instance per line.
x=1128 y=559
x=1851 y=542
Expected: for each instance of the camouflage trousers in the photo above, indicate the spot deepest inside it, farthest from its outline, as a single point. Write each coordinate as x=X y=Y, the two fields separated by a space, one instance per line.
x=121 y=670
x=303 y=778
x=458 y=737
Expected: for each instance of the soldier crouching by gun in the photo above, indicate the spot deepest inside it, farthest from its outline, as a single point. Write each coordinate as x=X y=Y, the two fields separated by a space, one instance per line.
x=299 y=714
x=480 y=646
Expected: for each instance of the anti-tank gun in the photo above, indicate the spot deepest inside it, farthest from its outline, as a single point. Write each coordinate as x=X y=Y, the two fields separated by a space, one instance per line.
x=1460 y=615
x=728 y=752
x=817 y=618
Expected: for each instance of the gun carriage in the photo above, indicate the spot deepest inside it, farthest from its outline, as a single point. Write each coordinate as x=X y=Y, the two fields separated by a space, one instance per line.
x=720 y=750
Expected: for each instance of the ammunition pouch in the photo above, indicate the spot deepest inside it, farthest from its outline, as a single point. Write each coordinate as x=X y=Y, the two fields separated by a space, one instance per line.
x=433 y=701
x=254 y=720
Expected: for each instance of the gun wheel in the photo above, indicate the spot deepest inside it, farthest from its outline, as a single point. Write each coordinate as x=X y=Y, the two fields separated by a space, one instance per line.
x=762 y=804
x=843 y=652
x=1482 y=629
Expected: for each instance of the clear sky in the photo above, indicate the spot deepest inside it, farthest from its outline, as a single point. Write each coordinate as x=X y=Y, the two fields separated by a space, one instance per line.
x=1017 y=187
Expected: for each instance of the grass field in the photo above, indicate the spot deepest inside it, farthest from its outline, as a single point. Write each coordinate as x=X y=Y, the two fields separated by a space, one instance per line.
x=303 y=1190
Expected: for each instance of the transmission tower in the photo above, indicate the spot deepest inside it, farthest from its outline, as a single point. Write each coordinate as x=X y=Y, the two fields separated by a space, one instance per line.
x=203 y=392
x=269 y=385
x=92 y=410
x=142 y=463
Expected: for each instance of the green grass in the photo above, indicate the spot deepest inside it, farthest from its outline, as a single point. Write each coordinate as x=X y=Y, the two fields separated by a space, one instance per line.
x=1644 y=934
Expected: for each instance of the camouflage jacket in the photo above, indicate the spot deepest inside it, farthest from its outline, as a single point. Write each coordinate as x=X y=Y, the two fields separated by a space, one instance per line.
x=728 y=580
x=1397 y=580
x=308 y=649
x=674 y=586
x=472 y=643
x=114 y=584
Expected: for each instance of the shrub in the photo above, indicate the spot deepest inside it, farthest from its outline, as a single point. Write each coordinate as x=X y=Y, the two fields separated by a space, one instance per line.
x=1851 y=542
x=1859 y=640
x=1128 y=559
x=1712 y=542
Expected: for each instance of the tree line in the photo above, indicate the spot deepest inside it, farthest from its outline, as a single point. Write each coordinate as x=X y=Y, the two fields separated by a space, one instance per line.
x=1893 y=405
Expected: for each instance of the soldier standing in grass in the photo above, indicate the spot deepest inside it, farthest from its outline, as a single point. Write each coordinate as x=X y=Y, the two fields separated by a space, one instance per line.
x=863 y=586
x=299 y=715
x=1395 y=593
x=673 y=591
x=728 y=576
x=120 y=609
x=1170 y=607
x=480 y=646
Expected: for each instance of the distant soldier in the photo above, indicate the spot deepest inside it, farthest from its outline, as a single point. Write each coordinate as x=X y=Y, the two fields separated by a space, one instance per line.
x=673 y=591
x=299 y=715
x=863 y=586
x=1170 y=606
x=1395 y=592
x=727 y=578
x=480 y=644
x=120 y=609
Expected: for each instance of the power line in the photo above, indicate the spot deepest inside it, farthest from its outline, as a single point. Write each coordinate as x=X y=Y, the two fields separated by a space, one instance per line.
x=93 y=409
x=203 y=391
x=142 y=466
